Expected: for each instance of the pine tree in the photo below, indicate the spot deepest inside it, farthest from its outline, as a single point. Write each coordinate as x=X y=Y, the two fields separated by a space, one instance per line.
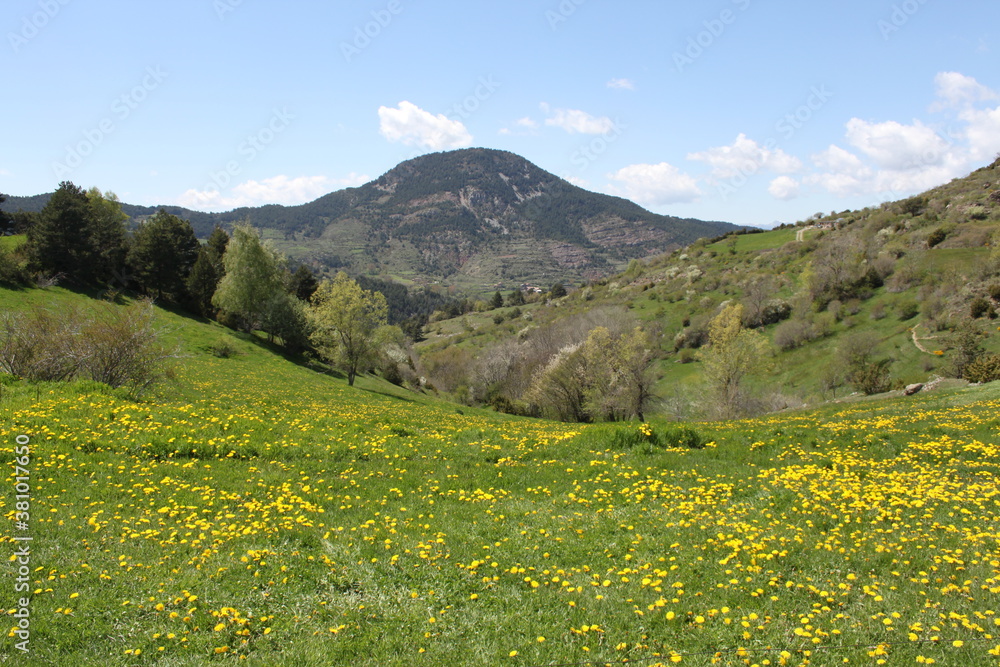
x=163 y=251
x=58 y=242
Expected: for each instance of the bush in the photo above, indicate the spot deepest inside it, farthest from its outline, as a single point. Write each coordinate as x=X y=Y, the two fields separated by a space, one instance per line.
x=936 y=237
x=984 y=369
x=907 y=309
x=979 y=307
x=995 y=291
x=116 y=346
x=792 y=334
x=222 y=349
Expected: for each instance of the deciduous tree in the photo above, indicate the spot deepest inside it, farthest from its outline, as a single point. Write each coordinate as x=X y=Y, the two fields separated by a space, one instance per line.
x=253 y=278
x=345 y=320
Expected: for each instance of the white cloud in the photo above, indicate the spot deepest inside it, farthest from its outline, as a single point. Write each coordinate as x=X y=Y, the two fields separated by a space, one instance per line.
x=784 y=188
x=746 y=156
x=958 y=90
x=522 y=126
x=896 y=146
x=983 y=133
x=654 y=184
x=575 y=121
x=276 y=190
x=412 y=126
x=621 y=84
x=578 y=182
x=842 y=173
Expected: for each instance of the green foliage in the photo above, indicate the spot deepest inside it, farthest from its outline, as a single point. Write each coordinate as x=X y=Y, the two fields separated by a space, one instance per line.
x=557 y=291
x=648 y=438
x=734 y=354
x=980 y=307
x=345 y=320
x=936 y=237
x=252 y=283
x=984 y=369
x=161 y=255
x=59 y=242
x=863 y=370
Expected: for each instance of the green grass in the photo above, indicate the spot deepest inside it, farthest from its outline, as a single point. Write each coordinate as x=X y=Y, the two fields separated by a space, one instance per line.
x=13 y=242
x=263 y=508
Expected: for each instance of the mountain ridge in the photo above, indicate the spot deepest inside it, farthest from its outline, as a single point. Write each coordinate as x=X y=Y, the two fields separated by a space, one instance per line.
x=473 y=217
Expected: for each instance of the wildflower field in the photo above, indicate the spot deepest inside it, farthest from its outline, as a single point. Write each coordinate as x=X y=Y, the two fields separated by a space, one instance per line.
x=261 y=513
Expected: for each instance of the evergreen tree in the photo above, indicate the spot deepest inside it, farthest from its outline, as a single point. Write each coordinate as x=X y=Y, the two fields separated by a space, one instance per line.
x=516 y=298
x=163 y=251
x=303 y=283
x=59 y=242
x=496 y=301
x=204 y=280
x=6 y=221
x=252 y=280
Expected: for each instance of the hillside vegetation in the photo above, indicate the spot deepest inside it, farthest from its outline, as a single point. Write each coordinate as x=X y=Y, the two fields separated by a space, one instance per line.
x=468 y=219
x=258 y=510
x=911 y=284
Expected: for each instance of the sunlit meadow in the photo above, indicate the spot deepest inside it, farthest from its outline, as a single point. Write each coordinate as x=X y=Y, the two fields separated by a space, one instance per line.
x=260 y=512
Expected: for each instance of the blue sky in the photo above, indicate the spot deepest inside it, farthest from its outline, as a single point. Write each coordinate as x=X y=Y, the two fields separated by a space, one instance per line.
x=740 y=110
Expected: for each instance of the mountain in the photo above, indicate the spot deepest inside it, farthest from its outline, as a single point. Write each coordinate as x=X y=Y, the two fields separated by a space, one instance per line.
x=474 y=218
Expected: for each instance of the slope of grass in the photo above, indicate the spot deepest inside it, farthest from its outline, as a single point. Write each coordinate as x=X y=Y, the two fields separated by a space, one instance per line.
x=260 y=511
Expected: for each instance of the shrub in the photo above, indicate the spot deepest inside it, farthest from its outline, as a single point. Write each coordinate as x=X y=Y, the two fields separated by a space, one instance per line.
x=792 y=334
x=936 y=237
x=222 y=349
x=116 y=346
x=979 y=307
x=120 y=348
x=984 y=369
x=907 y=309
x=995 y=291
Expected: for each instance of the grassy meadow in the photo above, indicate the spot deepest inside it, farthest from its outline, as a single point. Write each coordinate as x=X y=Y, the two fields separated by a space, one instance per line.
x=256 y=511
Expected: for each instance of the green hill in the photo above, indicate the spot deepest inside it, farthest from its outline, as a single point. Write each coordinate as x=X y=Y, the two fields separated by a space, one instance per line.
x=470 y=218
x=258 y=510
x=904 y=275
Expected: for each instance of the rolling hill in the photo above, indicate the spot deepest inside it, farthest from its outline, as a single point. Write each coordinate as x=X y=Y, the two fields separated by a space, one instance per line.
x=474 y=218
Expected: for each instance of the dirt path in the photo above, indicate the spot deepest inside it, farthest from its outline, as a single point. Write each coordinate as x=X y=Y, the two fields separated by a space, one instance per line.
x=916 y=341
